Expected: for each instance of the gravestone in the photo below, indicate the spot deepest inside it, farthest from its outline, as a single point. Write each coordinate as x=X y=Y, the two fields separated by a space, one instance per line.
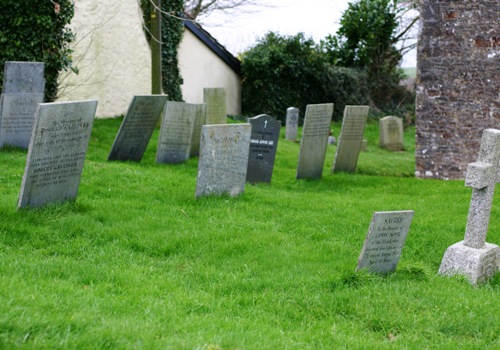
x=137 y=127
x=263 y=146
x=176 y=133
x=385 y=241
x=314 y=140
x=292 y=123
x=200 y=116
x=350 y=139
x=222 y=167
x=215 y=99
x=391 y=133
x=22 y=91
x=56 y=154
x=473 y=257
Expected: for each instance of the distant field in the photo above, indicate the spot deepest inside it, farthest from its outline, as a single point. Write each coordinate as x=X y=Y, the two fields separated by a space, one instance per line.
x=410 y=72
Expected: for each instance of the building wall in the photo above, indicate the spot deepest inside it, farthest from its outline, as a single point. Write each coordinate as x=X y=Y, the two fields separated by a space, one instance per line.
x=201 y=68
x=112 y=55
x=458 y=83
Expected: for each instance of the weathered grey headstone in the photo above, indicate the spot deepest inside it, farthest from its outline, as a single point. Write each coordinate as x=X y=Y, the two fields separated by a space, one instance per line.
x=215 y=99
x=314 y=140
x=350 y=139
x=200 y=116
x=473 y=257
x=292 y=123
x=176 y=133
x=391 y=133
x=385 y=241
x=56 y=154
x=222 y=167
x=263 y=146
x=22 y=91
x=137 y=127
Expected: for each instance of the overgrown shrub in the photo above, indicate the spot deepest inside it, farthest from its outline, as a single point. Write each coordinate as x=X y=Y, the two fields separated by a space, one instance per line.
x=36 y=30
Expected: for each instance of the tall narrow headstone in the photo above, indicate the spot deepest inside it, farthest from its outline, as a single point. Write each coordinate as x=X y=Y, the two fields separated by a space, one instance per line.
x=200 y=117
x=222 y=167
x=292 y=123
x=391 y=133
x=56 y=154
x=473 y=257
x=314 y=140
x=176 y=133
x=215 y=99
x=350 y=139
x=263 y=146
x=137 y=127
x=385 y=241
x=22 y=91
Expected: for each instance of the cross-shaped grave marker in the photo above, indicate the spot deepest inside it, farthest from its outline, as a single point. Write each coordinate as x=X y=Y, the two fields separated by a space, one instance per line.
x=473 y=257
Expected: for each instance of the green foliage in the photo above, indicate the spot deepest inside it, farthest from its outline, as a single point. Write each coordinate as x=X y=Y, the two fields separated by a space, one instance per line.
x=37 y=30
x=172 y=29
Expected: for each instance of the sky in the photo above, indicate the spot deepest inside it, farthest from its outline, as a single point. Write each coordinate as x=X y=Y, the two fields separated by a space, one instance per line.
x=315 y=18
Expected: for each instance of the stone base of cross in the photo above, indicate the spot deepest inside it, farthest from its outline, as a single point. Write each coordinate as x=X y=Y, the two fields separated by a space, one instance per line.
x=473 y=257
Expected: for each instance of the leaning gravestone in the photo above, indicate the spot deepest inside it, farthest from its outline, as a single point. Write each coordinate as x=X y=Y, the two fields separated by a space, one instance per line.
x=473 y=257
x=263 y=145
x=200 y=116
x=137 y=127
x=292 y=123
x=215 y=99
x=176 y=133
x=314 y=140
x=385 y=241
x=350 y=139
x=391 y=133
x=22 y=91
x=56 y=154
x=222 y=167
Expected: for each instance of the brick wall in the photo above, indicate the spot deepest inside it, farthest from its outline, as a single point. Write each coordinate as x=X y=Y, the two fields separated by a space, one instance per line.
x=458 y=83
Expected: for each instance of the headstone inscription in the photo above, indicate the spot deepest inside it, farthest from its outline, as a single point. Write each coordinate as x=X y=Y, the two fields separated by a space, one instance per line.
x=391 y=133
x=385 y=241
x=200 y=116
x=22 y=91
x=314 y=141
x=137 y=127
x=292 y=123
x=56 y=154
x=215 y=99
x=263 y=146
x=222 y=167
x=350 y=139
x=176 y=133
x=473 y=257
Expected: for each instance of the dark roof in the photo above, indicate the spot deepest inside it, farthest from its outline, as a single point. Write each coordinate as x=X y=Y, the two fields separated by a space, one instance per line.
x=213 y=45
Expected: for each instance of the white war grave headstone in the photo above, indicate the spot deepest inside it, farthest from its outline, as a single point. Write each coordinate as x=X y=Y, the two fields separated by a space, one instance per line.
x=385 y=241
x=292 y=123
x=391 y=133
x=56 y=153
x=137 y=127
x=263 y=146
x=314 y=141
x=200 y=116
x=222 y=167
x=215 y=99
x=474 y=257
x=350 y=139
x=23 y=89
x=176 y=133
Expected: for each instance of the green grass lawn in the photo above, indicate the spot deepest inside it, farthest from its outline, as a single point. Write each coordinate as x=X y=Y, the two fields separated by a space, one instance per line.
x=138 y=263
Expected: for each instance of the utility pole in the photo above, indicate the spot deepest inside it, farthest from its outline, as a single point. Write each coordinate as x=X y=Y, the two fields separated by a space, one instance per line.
x=156 y=47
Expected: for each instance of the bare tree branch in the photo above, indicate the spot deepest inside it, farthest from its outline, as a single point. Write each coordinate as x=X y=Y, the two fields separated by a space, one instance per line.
x=202 y=8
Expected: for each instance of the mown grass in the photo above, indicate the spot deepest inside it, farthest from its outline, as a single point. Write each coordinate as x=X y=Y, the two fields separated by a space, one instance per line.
x=136 y=262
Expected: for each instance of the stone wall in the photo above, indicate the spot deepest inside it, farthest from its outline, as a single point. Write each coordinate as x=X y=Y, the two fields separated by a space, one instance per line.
x=458 y=83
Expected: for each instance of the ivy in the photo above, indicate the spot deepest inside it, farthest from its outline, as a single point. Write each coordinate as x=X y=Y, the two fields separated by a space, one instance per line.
x=37 y=30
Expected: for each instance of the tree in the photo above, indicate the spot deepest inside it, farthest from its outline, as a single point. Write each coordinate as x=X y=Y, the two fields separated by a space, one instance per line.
x=202 y=8
x=372 y=37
